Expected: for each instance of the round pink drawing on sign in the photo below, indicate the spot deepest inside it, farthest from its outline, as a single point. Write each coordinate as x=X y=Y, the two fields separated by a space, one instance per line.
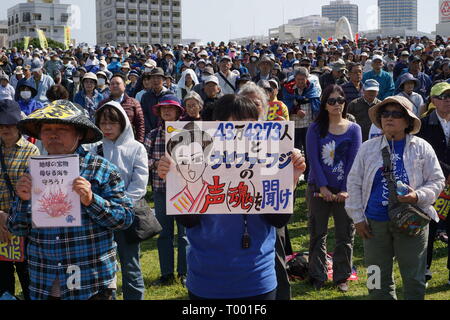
x=55 y=204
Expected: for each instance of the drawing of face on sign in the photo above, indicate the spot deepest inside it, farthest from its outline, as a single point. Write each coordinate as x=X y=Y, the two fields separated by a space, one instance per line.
x=190 y=150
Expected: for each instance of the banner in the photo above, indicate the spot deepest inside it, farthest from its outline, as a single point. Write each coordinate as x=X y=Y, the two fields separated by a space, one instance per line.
x=26 y=43
x=42 y=39
x=67 y=36
x=442 y=204
x=53 y=201
x=230 y=168
x=444 y=11
x=12 y=251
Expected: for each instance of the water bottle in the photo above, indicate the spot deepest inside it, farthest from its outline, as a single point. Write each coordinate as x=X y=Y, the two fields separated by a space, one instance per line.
x=402 y=189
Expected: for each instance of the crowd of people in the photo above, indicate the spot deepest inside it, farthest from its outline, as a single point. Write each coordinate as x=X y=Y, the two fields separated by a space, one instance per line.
x=353 y=104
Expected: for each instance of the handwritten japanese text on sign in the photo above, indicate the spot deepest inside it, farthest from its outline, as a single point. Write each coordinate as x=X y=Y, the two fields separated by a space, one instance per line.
x=13 y=250
x=230 y=167
x=53 y=201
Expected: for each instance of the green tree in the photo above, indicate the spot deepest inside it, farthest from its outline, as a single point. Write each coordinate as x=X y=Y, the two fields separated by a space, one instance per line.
x=36 y=44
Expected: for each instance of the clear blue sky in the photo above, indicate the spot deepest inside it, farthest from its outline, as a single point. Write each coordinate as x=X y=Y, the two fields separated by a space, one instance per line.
x=221 y=20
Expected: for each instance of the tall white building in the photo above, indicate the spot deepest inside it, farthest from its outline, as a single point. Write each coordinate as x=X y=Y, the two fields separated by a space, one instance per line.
x=342 y=8
x=51 y=16
x=4 y=34
x=397 y=14
x=139 y=22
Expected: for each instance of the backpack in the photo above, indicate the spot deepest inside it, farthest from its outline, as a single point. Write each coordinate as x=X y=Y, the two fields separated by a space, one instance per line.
x=297 y=266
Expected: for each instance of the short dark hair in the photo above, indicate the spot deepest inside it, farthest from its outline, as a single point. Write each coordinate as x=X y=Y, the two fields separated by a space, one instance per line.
x=57 y=92
x=235 y=106
x=190 y=133
x=353 y=65
x=112 y=114
x=119 y=75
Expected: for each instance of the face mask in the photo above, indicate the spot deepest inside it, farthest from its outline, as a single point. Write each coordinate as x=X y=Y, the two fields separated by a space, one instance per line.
x=254 y=59
x=148 y=70
x=67 y=65
x=25 y=95
x=76 y=80
x=114 y=60
x=430 y=63
x=101 y=82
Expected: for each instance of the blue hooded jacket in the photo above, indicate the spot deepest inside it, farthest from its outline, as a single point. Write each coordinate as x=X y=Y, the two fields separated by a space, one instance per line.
x=312 y=93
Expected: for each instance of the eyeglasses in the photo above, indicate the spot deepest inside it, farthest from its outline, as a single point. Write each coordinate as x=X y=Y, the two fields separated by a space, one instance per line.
x=443 y=97
x=393 y=114
x=333 y=101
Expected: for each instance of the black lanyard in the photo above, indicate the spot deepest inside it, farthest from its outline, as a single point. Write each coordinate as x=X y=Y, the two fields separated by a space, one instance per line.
x=246 y=241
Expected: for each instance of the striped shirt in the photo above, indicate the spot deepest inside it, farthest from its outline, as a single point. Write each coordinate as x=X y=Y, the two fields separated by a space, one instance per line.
x=89 y=250
x=16 y=162
x=156 y=148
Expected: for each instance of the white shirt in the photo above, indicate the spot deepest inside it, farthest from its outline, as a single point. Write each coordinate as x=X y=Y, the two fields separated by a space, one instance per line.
x=232 y=77
x=421 y=165
x=445 y=126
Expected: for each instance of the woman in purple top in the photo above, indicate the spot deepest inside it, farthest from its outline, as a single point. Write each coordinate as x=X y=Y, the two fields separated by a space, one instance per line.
x=332 y=145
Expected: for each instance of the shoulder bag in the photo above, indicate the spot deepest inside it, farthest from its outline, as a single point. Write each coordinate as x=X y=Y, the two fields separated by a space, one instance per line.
x=145 y=225
x=405 y=218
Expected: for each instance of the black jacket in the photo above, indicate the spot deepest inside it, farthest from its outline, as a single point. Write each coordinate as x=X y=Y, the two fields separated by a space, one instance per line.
x=433 y=133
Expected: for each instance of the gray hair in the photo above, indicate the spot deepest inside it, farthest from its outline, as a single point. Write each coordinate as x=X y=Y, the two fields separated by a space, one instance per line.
x=251 y=87
x=194 y=95
x=303 y=71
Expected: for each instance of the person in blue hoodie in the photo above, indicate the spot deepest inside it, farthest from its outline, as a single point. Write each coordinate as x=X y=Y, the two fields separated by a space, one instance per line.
x=115 y=64
x=120 y=147
x=26 y=99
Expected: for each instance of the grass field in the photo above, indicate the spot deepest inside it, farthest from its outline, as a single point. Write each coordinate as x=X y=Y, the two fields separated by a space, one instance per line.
x=438 y=288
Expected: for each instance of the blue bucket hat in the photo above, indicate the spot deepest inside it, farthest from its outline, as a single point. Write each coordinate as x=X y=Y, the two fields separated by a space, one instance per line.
x=407 y=77
x=9 y=112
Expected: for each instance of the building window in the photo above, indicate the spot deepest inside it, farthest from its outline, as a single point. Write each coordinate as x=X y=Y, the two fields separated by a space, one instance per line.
x=26 y=17
x=64 y=17
x=37 y=17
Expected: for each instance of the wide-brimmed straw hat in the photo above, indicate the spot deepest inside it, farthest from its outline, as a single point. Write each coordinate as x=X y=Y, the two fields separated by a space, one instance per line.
x=398 y=100
x=61 y=112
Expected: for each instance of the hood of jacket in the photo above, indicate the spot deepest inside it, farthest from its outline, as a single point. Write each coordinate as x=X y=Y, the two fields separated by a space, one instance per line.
x=127 y=134
x=182 y=82
x=126 y=153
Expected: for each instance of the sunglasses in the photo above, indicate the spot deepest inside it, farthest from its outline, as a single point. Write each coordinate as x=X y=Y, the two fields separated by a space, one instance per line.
x=393 y=114
x=333 y=101
x=443 y=97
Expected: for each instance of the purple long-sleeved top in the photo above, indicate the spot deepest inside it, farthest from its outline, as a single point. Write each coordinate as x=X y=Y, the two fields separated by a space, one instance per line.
x=331 y=158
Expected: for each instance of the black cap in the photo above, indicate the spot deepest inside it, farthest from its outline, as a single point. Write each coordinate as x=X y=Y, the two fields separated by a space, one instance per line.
x=9 y=112
x=245 y=77
x=414 y=59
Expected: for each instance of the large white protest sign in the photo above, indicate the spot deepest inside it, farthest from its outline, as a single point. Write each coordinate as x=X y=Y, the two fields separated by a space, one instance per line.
x=53 y=201
x=230 y=167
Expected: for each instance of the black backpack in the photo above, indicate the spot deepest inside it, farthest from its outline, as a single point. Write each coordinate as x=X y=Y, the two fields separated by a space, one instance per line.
x=297 y=266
